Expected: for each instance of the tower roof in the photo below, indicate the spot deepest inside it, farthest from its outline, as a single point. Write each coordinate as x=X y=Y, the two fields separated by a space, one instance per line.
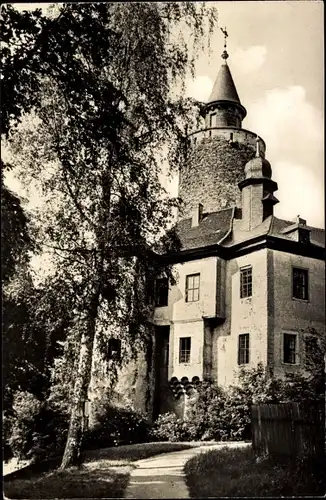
x=224 y=87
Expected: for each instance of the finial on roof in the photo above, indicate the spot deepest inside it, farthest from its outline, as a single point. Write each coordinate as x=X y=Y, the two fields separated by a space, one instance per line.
x=257 y=147
x=298 y=219
x=225 y=55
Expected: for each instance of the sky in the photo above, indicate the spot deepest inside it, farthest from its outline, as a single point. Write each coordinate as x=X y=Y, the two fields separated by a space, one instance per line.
x=276 y=58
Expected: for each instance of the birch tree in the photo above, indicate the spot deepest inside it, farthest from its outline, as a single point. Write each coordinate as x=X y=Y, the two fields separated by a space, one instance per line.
x=107 y=112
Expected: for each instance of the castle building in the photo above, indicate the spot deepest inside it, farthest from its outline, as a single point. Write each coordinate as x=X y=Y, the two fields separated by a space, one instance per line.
x=250 y=286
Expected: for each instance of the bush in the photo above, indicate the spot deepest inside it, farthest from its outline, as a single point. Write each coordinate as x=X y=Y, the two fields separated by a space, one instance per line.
x=206 y=419
x=37 y=430
x=225 y=414
x=169 y=427
x=117 y=426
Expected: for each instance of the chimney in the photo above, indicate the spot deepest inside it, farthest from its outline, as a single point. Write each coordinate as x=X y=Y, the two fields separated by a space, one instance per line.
x=299 y=221
x=197 y=215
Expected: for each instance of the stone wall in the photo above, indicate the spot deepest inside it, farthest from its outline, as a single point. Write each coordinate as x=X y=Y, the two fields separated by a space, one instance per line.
x=212 y=173
x=134 y=386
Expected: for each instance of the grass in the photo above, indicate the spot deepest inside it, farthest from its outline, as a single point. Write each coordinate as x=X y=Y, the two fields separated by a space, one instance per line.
x=131 y=453
x=235 y=473
x=103 y=474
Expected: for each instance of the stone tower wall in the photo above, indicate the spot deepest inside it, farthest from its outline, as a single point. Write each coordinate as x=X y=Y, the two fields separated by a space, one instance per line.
x=215 y=167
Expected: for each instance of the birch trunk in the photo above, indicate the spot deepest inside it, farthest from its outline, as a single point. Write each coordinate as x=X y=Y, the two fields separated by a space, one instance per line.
x=71 y=454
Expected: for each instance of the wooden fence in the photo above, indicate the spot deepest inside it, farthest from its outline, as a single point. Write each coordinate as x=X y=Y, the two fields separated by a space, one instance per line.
x=288 y=429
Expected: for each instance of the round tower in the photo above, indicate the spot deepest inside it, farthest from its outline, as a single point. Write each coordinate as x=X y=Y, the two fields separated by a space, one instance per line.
x=218 y=151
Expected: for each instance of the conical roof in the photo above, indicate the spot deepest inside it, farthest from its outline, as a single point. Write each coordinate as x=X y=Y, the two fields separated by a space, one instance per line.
x=224 y=88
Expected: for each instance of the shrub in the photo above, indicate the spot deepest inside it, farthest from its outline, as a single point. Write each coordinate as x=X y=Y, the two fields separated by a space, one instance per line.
x=37 y=430
x=6 y=432
x=169 y=427
x=226 y=414
x=116 y=426
x=206 y=418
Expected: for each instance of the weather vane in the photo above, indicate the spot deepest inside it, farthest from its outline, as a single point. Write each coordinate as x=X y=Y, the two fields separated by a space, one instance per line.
x=225 y=55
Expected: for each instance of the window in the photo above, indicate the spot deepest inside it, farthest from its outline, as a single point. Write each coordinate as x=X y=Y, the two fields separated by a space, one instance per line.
x=212 y=120
x=289 y=348
x=300 y=284
x=243 y=349
x=184 y=349
x=192 y=287
x=161 y=292
x=114 y=349
x=245 y=282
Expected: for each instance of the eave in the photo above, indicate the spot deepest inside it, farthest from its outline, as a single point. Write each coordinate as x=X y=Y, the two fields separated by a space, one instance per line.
x=246 y=247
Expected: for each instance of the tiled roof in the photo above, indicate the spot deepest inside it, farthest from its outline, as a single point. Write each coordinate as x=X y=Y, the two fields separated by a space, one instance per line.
x=215 y=226
x=317 y=235
x=212 y=228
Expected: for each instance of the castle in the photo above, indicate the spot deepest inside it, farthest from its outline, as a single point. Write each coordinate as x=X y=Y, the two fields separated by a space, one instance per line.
x=251 y=286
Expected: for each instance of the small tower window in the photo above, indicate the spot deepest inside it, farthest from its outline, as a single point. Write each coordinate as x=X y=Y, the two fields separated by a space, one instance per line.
x=212 y=120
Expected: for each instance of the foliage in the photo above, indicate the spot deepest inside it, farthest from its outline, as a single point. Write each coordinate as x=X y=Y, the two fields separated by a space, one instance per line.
x=15 y=237
x=206 y=418
x=169 y=427
x=117 y=426
x=38 y=431
x=19 y=63
x=23 y=343
x=315 y=359
x=34 y=322
x=103 y=77
x=225 y=414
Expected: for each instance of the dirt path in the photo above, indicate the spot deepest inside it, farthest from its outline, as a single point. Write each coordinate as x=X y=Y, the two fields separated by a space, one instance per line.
x=162 y=476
